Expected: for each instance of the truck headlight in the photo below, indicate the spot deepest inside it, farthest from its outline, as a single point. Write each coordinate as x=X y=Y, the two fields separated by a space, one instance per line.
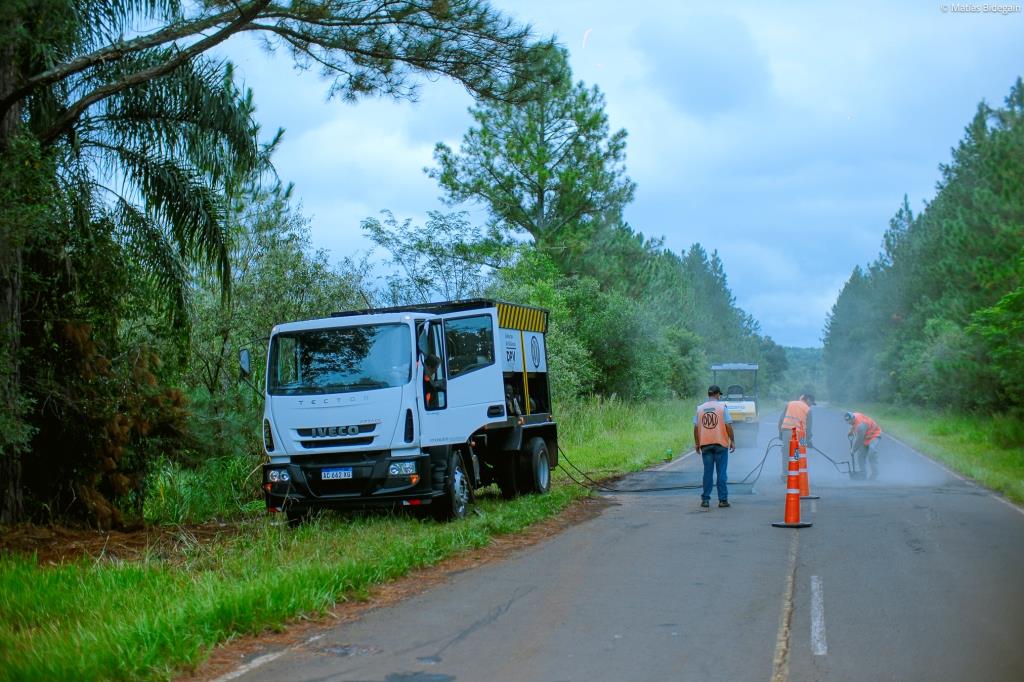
x=278 y=476
x=402 y=469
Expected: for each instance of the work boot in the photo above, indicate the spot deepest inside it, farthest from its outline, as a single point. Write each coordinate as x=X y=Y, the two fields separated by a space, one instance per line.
x=724 y=503
x=705 y=503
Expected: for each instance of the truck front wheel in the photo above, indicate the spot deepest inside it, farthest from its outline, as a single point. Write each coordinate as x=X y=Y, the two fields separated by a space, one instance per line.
x=454 y=503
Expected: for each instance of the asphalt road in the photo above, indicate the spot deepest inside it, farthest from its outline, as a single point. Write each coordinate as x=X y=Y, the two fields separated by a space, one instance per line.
x=915 y=576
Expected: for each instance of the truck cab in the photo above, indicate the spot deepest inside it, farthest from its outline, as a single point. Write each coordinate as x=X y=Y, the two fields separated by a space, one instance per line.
x=414 y=406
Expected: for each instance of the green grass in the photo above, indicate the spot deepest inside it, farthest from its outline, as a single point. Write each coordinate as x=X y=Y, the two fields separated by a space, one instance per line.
x=986 y=448
x=218 y=488
x=153 y=618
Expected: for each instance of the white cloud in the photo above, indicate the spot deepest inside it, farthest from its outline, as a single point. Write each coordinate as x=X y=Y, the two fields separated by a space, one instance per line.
x=780 y=134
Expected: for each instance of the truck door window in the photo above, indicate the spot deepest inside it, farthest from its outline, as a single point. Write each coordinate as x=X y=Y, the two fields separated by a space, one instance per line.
x=287 y=365
x=431 y=352
x=470 y=343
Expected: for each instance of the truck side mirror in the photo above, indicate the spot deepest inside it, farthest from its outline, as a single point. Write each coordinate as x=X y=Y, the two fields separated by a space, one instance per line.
x=245 y=362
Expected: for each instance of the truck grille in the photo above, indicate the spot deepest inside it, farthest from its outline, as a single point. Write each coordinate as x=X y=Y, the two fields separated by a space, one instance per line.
x=335 y=431
x=310 y=461
x=335 y=442
x=336 y=436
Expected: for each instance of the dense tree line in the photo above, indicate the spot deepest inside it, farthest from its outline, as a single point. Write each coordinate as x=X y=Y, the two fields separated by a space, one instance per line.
x=145 y=237
x=938 y=317
x=123 y=160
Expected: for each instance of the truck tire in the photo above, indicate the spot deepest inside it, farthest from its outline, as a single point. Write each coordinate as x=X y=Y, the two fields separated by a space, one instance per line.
x=537 y=464
x=454 y=503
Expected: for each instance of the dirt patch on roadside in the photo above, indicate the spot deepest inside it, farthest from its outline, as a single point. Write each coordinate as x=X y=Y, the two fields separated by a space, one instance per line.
x=227 y=657
x=57 y=545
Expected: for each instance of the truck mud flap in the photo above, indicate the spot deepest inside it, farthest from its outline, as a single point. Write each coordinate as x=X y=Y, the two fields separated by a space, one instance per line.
x=512 y=440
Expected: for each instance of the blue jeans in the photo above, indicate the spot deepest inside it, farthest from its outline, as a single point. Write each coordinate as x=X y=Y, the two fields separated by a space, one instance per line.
x=715 y=457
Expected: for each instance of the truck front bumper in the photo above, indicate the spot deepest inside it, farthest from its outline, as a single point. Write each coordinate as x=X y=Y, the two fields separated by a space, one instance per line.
x=346 y=480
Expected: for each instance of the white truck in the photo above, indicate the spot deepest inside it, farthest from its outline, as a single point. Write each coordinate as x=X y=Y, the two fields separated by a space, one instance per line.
x=416 y=405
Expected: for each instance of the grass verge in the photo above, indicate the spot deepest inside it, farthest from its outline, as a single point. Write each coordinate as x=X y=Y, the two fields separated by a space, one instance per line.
x=97 y=619
x=987 y=448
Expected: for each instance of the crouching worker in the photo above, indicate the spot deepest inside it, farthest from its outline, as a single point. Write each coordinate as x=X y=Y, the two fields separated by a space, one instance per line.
x=864 y=434
x=713 y=440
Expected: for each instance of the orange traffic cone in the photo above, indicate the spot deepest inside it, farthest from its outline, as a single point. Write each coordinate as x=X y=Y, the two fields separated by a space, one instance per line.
x=792 y=518
x=805 y=478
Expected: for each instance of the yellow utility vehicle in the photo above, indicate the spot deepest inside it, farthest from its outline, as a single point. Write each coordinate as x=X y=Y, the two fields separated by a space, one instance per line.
x=738 y=381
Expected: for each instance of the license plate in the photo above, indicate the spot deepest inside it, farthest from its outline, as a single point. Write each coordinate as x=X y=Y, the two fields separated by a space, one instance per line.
x=335 y=474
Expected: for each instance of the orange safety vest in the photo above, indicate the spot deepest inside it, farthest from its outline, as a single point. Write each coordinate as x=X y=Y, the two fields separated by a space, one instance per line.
x=796 y=415
x=711 y=424
x=428 y=391
x=873 y=432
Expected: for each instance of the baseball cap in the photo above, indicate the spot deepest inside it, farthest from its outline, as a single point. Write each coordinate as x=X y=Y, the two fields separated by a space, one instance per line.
x=713 y=389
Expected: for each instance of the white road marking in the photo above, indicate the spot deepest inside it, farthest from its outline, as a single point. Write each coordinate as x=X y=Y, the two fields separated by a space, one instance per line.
x=818 y=644
x=932 y=461
x=954 y=474
x=250 y=666
x=1008 y=503
x=667 y=465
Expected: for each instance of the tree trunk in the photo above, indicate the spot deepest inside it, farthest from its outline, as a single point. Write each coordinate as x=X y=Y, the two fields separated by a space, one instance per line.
x=12 y=506
x=8 y=80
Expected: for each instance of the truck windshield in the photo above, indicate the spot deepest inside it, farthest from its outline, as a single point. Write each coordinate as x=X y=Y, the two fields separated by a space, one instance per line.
x=340 y=360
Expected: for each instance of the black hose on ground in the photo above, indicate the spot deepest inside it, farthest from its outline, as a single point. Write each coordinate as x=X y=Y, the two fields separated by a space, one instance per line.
x=849 y=468
x=690 y=486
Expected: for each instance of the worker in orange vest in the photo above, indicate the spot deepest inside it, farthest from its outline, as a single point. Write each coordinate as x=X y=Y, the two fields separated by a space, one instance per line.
x=713 y=439
x=431 y=398
x=864 y=434
x=796 y=414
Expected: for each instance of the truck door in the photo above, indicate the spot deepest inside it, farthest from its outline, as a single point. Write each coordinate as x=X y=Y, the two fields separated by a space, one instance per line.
x=474 y=370
x=467 y=382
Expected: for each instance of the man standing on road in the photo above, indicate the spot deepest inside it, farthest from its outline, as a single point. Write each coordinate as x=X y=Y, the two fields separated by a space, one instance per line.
x=797 y=413
x=865 y=434
x=713 y=439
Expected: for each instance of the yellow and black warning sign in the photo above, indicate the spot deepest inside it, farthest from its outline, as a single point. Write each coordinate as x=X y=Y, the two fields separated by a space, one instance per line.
x=524 y=318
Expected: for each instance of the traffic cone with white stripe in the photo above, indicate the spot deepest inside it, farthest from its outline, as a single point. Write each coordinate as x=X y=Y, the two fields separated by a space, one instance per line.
x=805 y=477
x=792 y=517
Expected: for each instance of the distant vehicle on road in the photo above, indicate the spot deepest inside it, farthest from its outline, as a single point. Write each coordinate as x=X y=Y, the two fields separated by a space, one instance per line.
x=415 y=405
x=739 y=382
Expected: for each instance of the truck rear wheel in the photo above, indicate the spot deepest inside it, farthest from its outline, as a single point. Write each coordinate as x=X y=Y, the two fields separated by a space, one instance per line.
x=538 y=466
x=454 y=503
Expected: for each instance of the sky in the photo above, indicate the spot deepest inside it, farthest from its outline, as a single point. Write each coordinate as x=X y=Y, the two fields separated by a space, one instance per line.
x=784 y=135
